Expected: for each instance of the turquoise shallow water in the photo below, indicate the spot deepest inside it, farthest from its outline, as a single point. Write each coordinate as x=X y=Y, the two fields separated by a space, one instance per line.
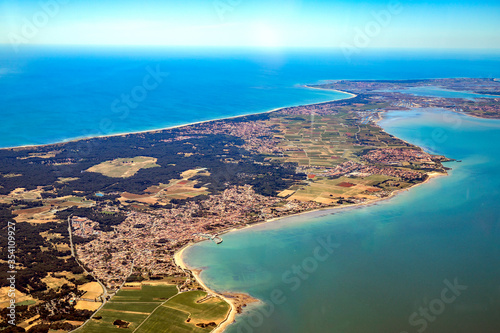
x=440 y=92
x=392 y=264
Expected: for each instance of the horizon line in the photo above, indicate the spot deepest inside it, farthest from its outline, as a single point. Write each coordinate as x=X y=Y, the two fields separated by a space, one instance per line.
x=256 y=47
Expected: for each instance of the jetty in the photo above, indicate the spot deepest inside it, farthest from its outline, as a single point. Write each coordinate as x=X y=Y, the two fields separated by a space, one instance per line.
x=215 y=238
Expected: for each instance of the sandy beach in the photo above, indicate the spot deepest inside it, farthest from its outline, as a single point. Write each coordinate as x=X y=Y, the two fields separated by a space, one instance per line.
x=340 y=91
x=236 y=299
x=180 y=126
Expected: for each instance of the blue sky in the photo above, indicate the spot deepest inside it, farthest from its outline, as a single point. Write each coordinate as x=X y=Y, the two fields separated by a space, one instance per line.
x=256 y=23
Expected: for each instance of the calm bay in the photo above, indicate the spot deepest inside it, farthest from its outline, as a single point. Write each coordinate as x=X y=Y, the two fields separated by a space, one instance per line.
x=389 y=263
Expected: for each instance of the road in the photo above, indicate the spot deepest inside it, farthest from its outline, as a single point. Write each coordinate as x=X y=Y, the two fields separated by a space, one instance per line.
x=105 y=295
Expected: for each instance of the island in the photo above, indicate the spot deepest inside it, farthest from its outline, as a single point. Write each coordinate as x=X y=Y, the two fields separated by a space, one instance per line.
x=98 y=224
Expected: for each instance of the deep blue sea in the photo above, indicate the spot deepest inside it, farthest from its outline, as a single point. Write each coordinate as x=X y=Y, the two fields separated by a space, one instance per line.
x=51 y=94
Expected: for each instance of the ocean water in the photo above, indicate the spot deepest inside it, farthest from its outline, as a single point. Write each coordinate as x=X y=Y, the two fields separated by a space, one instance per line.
x=426 y=260
x=53 y=94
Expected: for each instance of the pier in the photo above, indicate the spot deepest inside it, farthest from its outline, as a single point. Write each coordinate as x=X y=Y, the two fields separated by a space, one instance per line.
x=215 y=238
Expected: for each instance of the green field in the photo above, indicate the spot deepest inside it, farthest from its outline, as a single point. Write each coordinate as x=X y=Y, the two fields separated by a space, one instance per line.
x=326 y=141
x=184 y=307
x=130 y=305
x=327 y=190
x=176 y=322
x=144 y=307
x=148 y=293
x=105 y=324
x=28 y=302
x=158 y=308
x=337 y=136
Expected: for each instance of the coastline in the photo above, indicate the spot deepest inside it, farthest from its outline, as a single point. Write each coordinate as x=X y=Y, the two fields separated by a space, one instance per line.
x=179 y=260
x=179 y=126
x=178 y=256
x=471 y=115
x=234 y=305
x=141 y=132
x=340 y=91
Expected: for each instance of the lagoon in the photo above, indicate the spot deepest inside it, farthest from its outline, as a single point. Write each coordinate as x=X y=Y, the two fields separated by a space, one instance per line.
x=444 y=93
